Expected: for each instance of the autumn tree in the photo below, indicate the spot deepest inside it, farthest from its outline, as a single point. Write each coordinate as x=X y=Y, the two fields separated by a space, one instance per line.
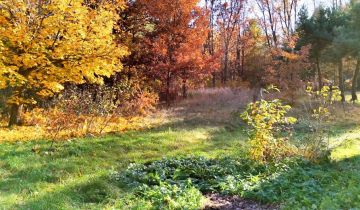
x=176 y=43
x=293 y=66
x=240 y=45
x=257 y=60
x=278 y=19
x=135 y=25
x=229 y=14
x=44 y=44
x=269 y=21
x=287 y=11
x=210 y=6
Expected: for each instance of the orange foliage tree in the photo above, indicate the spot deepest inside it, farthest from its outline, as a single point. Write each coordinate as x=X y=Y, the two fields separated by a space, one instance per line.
x=176 y=44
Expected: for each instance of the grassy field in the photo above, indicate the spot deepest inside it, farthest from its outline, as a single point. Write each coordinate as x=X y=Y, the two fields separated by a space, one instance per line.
x=77 y=174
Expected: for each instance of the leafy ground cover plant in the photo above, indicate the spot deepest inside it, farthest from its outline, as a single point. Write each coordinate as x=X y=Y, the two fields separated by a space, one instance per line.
x=291 y=183
x=207 y=174
x=178 y=183
x=173 y=196
x=226 y=175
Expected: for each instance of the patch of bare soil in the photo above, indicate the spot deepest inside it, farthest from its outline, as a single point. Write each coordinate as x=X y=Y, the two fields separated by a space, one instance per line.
x=221 y=202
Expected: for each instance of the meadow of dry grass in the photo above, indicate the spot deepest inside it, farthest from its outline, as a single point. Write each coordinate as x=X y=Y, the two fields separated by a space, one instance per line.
x=207 y=107
x=211 y=106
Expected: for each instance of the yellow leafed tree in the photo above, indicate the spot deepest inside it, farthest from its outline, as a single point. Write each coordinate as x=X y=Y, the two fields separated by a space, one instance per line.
x=44 y=44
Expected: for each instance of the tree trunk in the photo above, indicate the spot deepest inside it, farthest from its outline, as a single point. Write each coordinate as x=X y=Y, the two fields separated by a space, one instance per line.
x=210 y=41
x=225 y=71
x=271 y=21
x=184 y=89
x=319 y=72
x=238 y=53
x=354 y=81
x=341 y=80
x=168 y=78
x=15 y=113
x=213 y=80
x=242 y=65
x=256 y=93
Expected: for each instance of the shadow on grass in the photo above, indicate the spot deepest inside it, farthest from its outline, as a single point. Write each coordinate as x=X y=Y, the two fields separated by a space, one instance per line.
x=313 y=186
x=88 y=192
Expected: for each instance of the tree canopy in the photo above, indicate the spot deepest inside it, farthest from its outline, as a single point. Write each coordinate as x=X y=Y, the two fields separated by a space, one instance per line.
x=44 y=44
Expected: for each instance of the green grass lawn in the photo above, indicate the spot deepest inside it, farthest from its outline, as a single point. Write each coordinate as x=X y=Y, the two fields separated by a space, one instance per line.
x=77 y=174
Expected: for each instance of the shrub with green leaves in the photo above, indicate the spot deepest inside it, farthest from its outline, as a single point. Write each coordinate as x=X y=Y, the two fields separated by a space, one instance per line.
x=267 y=119
x=319 y=107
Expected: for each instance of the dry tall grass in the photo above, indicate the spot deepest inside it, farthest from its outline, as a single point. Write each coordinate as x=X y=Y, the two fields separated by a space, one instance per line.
x=211 y=105
x=208 y=106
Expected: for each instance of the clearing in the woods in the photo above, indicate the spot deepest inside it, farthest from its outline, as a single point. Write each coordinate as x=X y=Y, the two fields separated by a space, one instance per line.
x=77 y=174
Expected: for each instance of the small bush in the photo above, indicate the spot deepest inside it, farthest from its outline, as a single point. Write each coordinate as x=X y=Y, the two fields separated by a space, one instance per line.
x=268 y=120
x=319 y=107
x=91 y=110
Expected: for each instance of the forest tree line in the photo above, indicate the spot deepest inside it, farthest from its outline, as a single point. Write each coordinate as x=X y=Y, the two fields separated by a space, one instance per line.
x=150 y=50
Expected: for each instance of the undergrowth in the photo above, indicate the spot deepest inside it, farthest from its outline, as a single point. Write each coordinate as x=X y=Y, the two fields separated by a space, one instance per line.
x=289 y=183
